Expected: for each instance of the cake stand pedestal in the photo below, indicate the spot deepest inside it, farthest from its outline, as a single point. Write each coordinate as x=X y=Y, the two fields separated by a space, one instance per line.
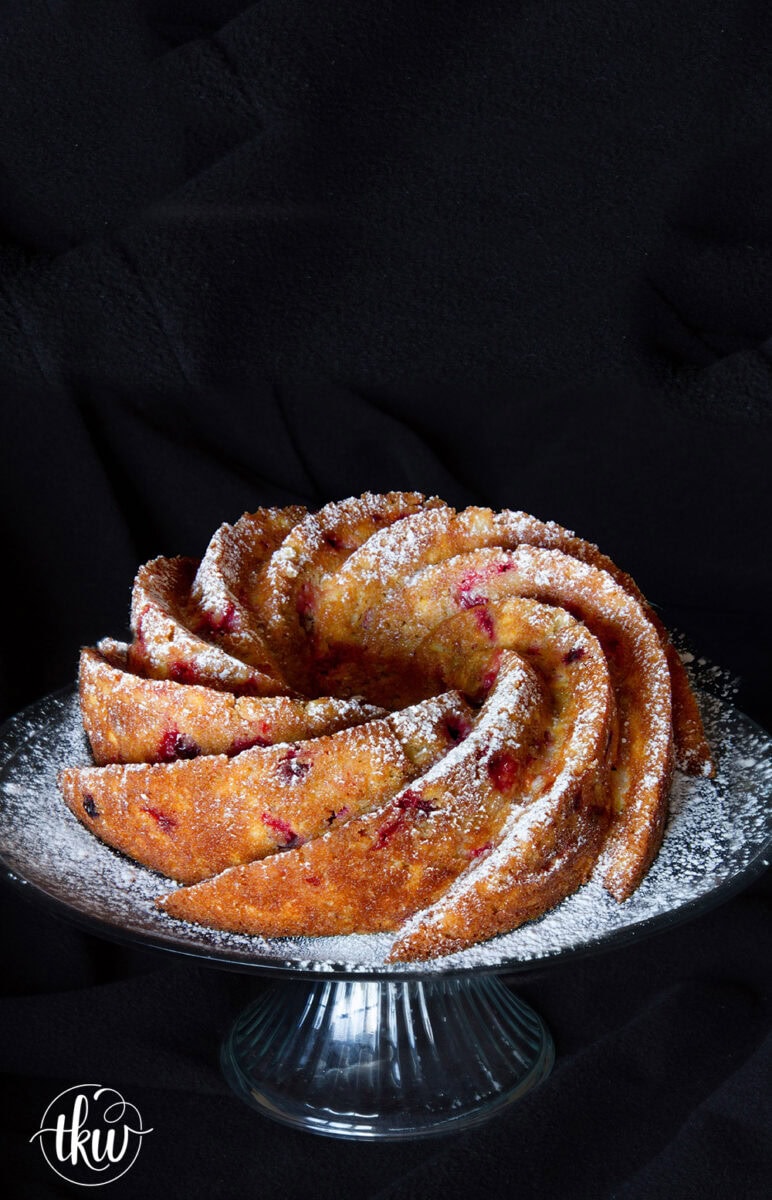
x=386 y=1059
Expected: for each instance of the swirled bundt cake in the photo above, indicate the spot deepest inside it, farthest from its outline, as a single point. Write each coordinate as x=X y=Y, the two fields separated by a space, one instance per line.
x=385 y=716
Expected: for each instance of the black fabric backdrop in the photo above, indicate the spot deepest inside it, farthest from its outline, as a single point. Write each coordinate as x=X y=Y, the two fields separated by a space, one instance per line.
x=513 y=253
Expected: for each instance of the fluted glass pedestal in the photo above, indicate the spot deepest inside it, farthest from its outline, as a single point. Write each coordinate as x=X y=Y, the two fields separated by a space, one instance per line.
x=386 y=1059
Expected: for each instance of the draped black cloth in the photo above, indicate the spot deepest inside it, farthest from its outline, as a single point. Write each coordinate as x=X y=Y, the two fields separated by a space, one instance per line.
x=517 y=254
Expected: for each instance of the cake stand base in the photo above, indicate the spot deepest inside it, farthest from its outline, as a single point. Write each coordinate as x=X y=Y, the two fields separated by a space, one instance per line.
x=386 y=1060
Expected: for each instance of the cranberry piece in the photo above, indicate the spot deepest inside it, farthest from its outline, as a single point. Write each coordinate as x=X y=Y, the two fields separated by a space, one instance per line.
x=174 y=744
x=283 y=829
x=574 y=655
x=89 y=806
x=214 y=623
x=162 y=819
x=292 y=768
x=305 y=600
x=484 y=621
x=228 y=619
x=182 y=672
x=478 y=851
x=457 y=727
x=490 y=676
x=468 y=597
x=368 y=619
x=248 y=743
x=409 y=801
x=187 y=747
x=388 y=829
x=503 y=770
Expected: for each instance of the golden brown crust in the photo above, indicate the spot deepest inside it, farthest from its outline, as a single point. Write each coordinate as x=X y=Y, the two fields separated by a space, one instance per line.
x=537 y=748
x=440 y=822
x=170 y=643
x=371 y=873
x=228 y=578
x=192 y=818
x=373 y=577
x=638 y=666
x=315 y=549
x=131 y=719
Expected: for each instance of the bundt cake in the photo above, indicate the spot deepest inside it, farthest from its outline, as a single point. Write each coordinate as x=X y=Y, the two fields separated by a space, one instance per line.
x=385 y=716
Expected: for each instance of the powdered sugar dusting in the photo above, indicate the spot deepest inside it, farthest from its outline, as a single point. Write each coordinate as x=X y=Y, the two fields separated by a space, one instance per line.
x=163 y=639
x=718 y=830
x=393 y=551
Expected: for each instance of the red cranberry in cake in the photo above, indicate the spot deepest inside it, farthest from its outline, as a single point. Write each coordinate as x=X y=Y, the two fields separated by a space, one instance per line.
x=162 y=819
x=89 y=807
x=284 y=831
x=503 y=770
x=174 y=744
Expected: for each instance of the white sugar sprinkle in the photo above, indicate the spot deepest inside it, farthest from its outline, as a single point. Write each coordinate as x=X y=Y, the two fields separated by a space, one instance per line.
x=717 y=830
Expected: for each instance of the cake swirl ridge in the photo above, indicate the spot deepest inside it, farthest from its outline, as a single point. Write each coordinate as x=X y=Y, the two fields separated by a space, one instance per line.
x=388 y=715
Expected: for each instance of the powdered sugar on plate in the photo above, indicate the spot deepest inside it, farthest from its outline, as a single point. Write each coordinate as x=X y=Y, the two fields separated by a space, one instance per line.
x=718 y=836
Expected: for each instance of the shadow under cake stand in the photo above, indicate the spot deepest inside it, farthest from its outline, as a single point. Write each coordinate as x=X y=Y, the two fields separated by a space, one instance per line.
x=343 y=1043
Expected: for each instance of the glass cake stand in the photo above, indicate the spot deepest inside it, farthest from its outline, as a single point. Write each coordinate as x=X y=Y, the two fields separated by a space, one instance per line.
x=342 y=1042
